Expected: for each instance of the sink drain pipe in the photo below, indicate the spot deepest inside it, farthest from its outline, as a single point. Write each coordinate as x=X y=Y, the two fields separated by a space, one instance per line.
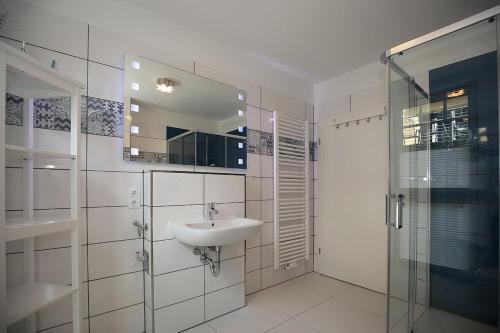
x=206 y=260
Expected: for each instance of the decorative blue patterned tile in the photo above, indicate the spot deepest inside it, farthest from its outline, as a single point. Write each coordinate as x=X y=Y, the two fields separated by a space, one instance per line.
x=104 y=117
x=313 y=151
x=266 y=143
x=14 y=111
x=253 y=141
x=53 y=113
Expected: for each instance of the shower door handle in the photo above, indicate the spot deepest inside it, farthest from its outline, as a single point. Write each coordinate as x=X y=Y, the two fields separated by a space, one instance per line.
x=398 y=216
x=387 y=208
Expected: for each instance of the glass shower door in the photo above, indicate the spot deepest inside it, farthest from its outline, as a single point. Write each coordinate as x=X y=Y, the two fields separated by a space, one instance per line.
x=408 y=199
x=443 y=202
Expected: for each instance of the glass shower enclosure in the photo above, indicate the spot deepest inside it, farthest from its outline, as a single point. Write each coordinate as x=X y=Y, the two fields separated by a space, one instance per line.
x=443 y=200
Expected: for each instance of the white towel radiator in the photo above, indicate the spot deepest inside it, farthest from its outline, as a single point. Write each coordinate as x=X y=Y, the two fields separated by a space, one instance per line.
x=291 y=191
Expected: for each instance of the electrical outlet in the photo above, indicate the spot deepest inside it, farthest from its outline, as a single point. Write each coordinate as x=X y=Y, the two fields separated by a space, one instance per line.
x=134 y=200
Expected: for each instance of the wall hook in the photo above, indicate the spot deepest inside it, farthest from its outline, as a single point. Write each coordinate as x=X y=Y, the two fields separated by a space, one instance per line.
x=337 y=126
x=357 y=122
x=380 y=117
x=23 y=47
x=368 y=120
x=347 y=124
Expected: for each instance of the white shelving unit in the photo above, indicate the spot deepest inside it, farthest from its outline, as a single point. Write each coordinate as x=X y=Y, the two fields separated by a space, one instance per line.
x=25 y=77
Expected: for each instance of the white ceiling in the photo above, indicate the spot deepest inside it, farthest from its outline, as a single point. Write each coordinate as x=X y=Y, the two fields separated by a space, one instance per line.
x=313 y=40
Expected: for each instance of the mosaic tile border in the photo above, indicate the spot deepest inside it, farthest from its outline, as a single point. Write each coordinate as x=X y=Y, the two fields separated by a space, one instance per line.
x=261 y=143
x=106 y=118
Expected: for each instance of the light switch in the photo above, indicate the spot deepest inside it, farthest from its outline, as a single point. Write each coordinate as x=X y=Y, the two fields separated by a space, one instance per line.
x=134 y=201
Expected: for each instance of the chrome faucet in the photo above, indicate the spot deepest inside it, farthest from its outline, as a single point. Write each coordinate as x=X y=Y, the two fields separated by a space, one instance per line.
x=211 y=211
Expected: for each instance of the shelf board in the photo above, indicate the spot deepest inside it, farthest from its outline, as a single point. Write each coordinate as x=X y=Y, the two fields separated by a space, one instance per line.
x=27 y=299
x=17 y=153
x=20 y=228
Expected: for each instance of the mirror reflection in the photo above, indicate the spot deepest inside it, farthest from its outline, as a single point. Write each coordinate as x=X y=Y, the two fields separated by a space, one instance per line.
x=175 y=117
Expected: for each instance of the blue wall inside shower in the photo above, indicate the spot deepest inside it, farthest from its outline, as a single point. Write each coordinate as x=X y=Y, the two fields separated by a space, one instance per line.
x=464 y=210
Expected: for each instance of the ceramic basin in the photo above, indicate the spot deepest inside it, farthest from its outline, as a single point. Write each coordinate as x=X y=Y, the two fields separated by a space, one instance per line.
x=220 y=231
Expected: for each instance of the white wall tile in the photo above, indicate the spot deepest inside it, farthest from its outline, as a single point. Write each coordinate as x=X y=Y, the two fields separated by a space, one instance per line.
x=253 y=118
x=50 y=266
x=178 y=286
x=254 y=241
x=233 y=189
x=109 y=48
x=172 y=255
x=15 y=269
x=114 y=258
x=105 y=82
x=253 y=188
x=67 y=328
x=252 y=90
x=231 y=209
x=267 y=210
x=252 y=282
x=267 y=256
x=253 y=210
x=253 y=259
x=177 y=189
x=268 y=233
x=232 y=272
x=45 y=28
x=13 y=181
x=53 y=266
x=266 y=166
x=267 y=188
x=310 y=264
x=164 y=215
x=111 y=188
x=106 y=153
x=224 y=301
x=51 y=188
x=266 y=121
x=128 y=320
x=106 y=224
x=76 y=68
x=115 y=293
x=180 y=316
x=253 y=165
x=230 y=251
x=270 y=277
x=275 y=101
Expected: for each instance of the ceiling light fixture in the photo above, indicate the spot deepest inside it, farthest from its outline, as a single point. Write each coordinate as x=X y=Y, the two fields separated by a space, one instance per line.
x=136 y=65
x=50 y=166
x=165 y=85
x=241 y=97
x=456 y=93
x=134 y=107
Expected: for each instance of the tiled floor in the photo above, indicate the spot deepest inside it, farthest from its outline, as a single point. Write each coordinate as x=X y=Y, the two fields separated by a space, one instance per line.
x=314 y=303
x=309 y=304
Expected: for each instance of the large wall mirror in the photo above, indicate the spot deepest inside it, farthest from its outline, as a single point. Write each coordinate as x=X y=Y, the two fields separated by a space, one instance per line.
x=175 y=117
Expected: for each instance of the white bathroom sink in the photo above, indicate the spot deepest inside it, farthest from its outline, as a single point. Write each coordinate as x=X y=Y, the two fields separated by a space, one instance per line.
x=220 y=231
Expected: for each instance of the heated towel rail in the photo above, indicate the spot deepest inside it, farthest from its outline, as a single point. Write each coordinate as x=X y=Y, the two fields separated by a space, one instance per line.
x=291 y=191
